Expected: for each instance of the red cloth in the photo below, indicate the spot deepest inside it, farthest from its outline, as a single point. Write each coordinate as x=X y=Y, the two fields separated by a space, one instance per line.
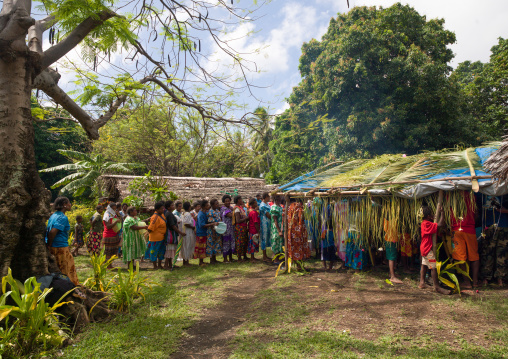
x=108 y=232
x=253 y=219
x=428 y=229
x=468 y=222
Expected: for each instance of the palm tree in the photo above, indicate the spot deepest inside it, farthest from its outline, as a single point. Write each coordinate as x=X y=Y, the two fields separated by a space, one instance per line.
x=87 y=171
x=262 y=134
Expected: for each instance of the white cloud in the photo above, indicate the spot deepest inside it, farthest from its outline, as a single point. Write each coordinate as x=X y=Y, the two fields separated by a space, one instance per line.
x=271 y=51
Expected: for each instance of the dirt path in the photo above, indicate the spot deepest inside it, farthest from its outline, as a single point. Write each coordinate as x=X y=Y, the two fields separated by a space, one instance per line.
x=208 y=337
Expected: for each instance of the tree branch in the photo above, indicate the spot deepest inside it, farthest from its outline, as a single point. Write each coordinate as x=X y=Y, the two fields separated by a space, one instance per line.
x=77 y=35
x=35 y=33
x=47 y=81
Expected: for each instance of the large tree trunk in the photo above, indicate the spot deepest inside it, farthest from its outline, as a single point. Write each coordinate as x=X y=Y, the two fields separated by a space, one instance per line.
x=24 y=202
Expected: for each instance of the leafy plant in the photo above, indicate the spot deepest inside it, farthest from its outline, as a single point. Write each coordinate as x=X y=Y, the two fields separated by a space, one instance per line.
x=87 y=172
x=127 y=289
x=441 y=272
x=99 y=265
x=155 y=187
x=281 y=257
x=134 y=201
x=35 y=323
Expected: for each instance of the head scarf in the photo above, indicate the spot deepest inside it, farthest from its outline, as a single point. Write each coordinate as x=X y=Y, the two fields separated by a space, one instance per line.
x=110 y=213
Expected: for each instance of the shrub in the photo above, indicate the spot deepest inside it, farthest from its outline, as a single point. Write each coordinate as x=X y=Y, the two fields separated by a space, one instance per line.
x=30 y=325
x=84 y=210
x=129 y=288
x=100 y=264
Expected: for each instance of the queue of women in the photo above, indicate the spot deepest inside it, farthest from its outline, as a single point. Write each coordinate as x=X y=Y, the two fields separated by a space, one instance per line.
x=204 y=229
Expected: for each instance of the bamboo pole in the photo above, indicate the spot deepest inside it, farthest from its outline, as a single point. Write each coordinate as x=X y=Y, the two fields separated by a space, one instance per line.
x=436 y=216
x=474 y=182
x=286 y=230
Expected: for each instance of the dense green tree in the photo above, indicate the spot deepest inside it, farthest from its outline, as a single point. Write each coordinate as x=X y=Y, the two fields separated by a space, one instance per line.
x=485 y=90
x=377 y=82
x=50 y=135
x=173 y=141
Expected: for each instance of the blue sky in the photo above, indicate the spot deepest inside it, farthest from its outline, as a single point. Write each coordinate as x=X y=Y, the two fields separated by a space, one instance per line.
x=287 y=24
x=274 y=40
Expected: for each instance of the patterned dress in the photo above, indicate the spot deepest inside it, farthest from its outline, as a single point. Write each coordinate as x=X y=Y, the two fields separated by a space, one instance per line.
x=298 y=248
x=356 y=256
x=241 y=234
x=228 y=238
x=93 y=243
x=213 y=239
x=133 y=243
x=265 y=226
x=276 y=240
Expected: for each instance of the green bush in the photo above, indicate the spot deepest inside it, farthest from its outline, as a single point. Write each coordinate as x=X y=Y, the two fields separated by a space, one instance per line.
x=128 y=288
x=30 y=325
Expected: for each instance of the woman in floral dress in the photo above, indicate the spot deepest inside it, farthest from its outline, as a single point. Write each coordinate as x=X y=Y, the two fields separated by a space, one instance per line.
x=214 y=239
x=228 y=238
x=133 y=242
x=277 y=236
x=264 y=214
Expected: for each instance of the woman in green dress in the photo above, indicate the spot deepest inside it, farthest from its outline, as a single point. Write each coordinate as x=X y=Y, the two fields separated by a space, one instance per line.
x=133 y=243
x=276 y=230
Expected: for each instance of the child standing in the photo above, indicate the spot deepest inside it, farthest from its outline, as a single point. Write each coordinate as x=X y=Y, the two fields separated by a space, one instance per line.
x=328 y=247
x=254 y=224
x=428 y=259
x=78 y=235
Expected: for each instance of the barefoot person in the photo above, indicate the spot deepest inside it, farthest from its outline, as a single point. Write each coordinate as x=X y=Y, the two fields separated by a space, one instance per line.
x=241 y=230
x=133 y=243
x=201 y=232
x=264 y=214
x=228 y=238
x=328 y=247
x=391 y=239
x=110 y=239
x=157 y=236
x=276 y=230
x=214 y=239
x=465 y=242
x=174 y=231
x=189 y=241
x=427 y=252
x=78 y=235
x=254 y=228
x=57 y=238
x=93 y=244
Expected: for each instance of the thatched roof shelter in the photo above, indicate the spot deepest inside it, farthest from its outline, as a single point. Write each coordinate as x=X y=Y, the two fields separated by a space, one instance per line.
x=405 y=176
x=497 y=164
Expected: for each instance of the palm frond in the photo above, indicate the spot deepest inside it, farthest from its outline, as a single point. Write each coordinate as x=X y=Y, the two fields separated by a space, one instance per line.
x=75 y=155
x=84 y=182
x=122 y=167
x=65 y=167
x=68 y=179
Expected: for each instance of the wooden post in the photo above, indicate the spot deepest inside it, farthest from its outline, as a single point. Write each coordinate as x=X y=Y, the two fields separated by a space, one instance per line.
x=286 y=228
x=436 y=216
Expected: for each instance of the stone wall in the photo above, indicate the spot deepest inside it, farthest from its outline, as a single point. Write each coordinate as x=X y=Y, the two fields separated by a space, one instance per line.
x=193 y=188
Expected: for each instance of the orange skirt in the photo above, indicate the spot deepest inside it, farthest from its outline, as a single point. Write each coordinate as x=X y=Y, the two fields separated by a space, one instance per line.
x=65 y=262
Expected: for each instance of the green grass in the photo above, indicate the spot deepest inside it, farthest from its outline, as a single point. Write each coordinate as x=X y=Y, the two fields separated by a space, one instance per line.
x=154 y=327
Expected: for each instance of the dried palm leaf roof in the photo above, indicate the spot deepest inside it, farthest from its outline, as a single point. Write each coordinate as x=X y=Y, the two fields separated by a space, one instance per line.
x=497 y=164
x=399 y=172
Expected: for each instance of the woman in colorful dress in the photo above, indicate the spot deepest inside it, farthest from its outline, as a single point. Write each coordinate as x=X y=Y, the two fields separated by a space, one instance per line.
x=264 y=214
x=201 y=232
x=189 y=241
x=110 y=239
x=57 y=238
x=228 y=238
x=298 y=248
x=133 y=243
x=214 y=239
x=254 y=229
x=95 y=237
x=356 y=255
x=277 y=235
x=157 y=231
x=174 y=228
x=241 y=229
